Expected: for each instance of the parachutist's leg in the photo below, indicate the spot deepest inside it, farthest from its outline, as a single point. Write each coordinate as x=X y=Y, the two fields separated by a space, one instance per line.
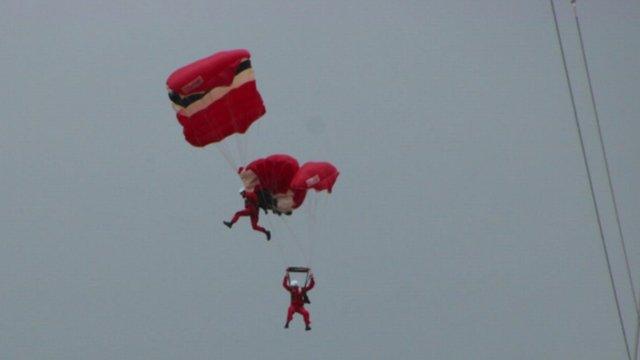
x=236 y=216
x=256 y=227
x=305 y=315
x=240 y=213
x=290 y=312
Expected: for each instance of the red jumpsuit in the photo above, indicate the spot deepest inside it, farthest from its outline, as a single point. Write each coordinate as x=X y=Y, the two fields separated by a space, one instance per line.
x=297 y=300
x=250 y=209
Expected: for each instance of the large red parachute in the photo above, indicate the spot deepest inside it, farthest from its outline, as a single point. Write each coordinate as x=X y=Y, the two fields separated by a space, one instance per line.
x=286 y=181
x=215 y=97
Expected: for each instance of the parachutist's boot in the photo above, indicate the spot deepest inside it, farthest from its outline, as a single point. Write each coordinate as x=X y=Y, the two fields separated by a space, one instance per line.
x=268 y=233
x=286 y=326
x=228 y=223
x=307 y=328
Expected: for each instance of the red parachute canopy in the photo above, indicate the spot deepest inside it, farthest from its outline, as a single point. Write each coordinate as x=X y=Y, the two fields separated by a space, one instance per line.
x=215 y=97
x=281 y=175
x=275 y=172
x=315 y=175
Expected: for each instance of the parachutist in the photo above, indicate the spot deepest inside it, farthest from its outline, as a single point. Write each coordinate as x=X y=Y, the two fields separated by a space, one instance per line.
x=250 y=209
x=281 y=184
x=298 y=299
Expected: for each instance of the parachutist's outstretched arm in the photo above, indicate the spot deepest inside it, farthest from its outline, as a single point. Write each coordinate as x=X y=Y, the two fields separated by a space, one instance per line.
x=312 y=283
x=285 y=282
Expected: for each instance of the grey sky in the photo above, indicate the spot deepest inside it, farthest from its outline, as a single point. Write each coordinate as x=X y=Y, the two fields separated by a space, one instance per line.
x=461 y=226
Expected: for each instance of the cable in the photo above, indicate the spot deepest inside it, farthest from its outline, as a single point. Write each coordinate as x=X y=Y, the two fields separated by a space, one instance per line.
x=606 y=158
x=283 y=258
x=609 y=181
x=590 y=181
x=635 y=347
x=296 y=239
x=225 y=153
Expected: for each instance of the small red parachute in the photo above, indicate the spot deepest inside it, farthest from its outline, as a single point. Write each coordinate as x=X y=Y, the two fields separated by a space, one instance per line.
x=215 y=97
x=285 y=181
x=315 y=175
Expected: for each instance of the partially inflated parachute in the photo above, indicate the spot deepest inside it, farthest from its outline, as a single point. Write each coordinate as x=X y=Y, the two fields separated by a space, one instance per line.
x=215 y=97
x=315 y=175
x=285 y=181
x=274 y=172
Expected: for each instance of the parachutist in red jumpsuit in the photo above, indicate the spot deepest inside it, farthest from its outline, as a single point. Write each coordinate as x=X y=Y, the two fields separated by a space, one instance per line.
x=297 y=300
x=252 y=210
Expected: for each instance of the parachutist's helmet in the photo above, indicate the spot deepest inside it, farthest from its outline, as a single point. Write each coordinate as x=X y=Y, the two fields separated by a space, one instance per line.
x=293 y=283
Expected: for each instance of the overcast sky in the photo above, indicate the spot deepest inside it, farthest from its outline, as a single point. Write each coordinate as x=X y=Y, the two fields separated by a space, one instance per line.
x=461 y=226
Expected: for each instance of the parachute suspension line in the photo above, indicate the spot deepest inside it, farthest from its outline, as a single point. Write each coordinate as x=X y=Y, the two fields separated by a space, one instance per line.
x=296 y=239
x=315 y=211
x=312 y=224
x=635 y=351
x=246 y=149
x=310 y=208
x=609 y=181
x=255 y=136
x=278 y=244
x=227 y=157
x=590 y=181
x=606 y=158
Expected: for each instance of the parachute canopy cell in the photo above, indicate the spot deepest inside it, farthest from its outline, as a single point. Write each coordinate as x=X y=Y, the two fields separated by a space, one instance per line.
x=315 y=175
x=215 y=97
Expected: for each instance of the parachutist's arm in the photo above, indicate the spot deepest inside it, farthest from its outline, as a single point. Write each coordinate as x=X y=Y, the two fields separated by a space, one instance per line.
x=285 y=282
x=312 y=283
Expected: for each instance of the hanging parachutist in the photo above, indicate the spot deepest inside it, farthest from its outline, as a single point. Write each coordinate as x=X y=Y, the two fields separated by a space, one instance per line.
x=252 y=210
x=298 y=299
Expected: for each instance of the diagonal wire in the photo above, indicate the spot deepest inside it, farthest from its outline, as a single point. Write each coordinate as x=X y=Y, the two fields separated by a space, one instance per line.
x=606 y=159
x=635 y=350
x=590 y=181
x=610 y=183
